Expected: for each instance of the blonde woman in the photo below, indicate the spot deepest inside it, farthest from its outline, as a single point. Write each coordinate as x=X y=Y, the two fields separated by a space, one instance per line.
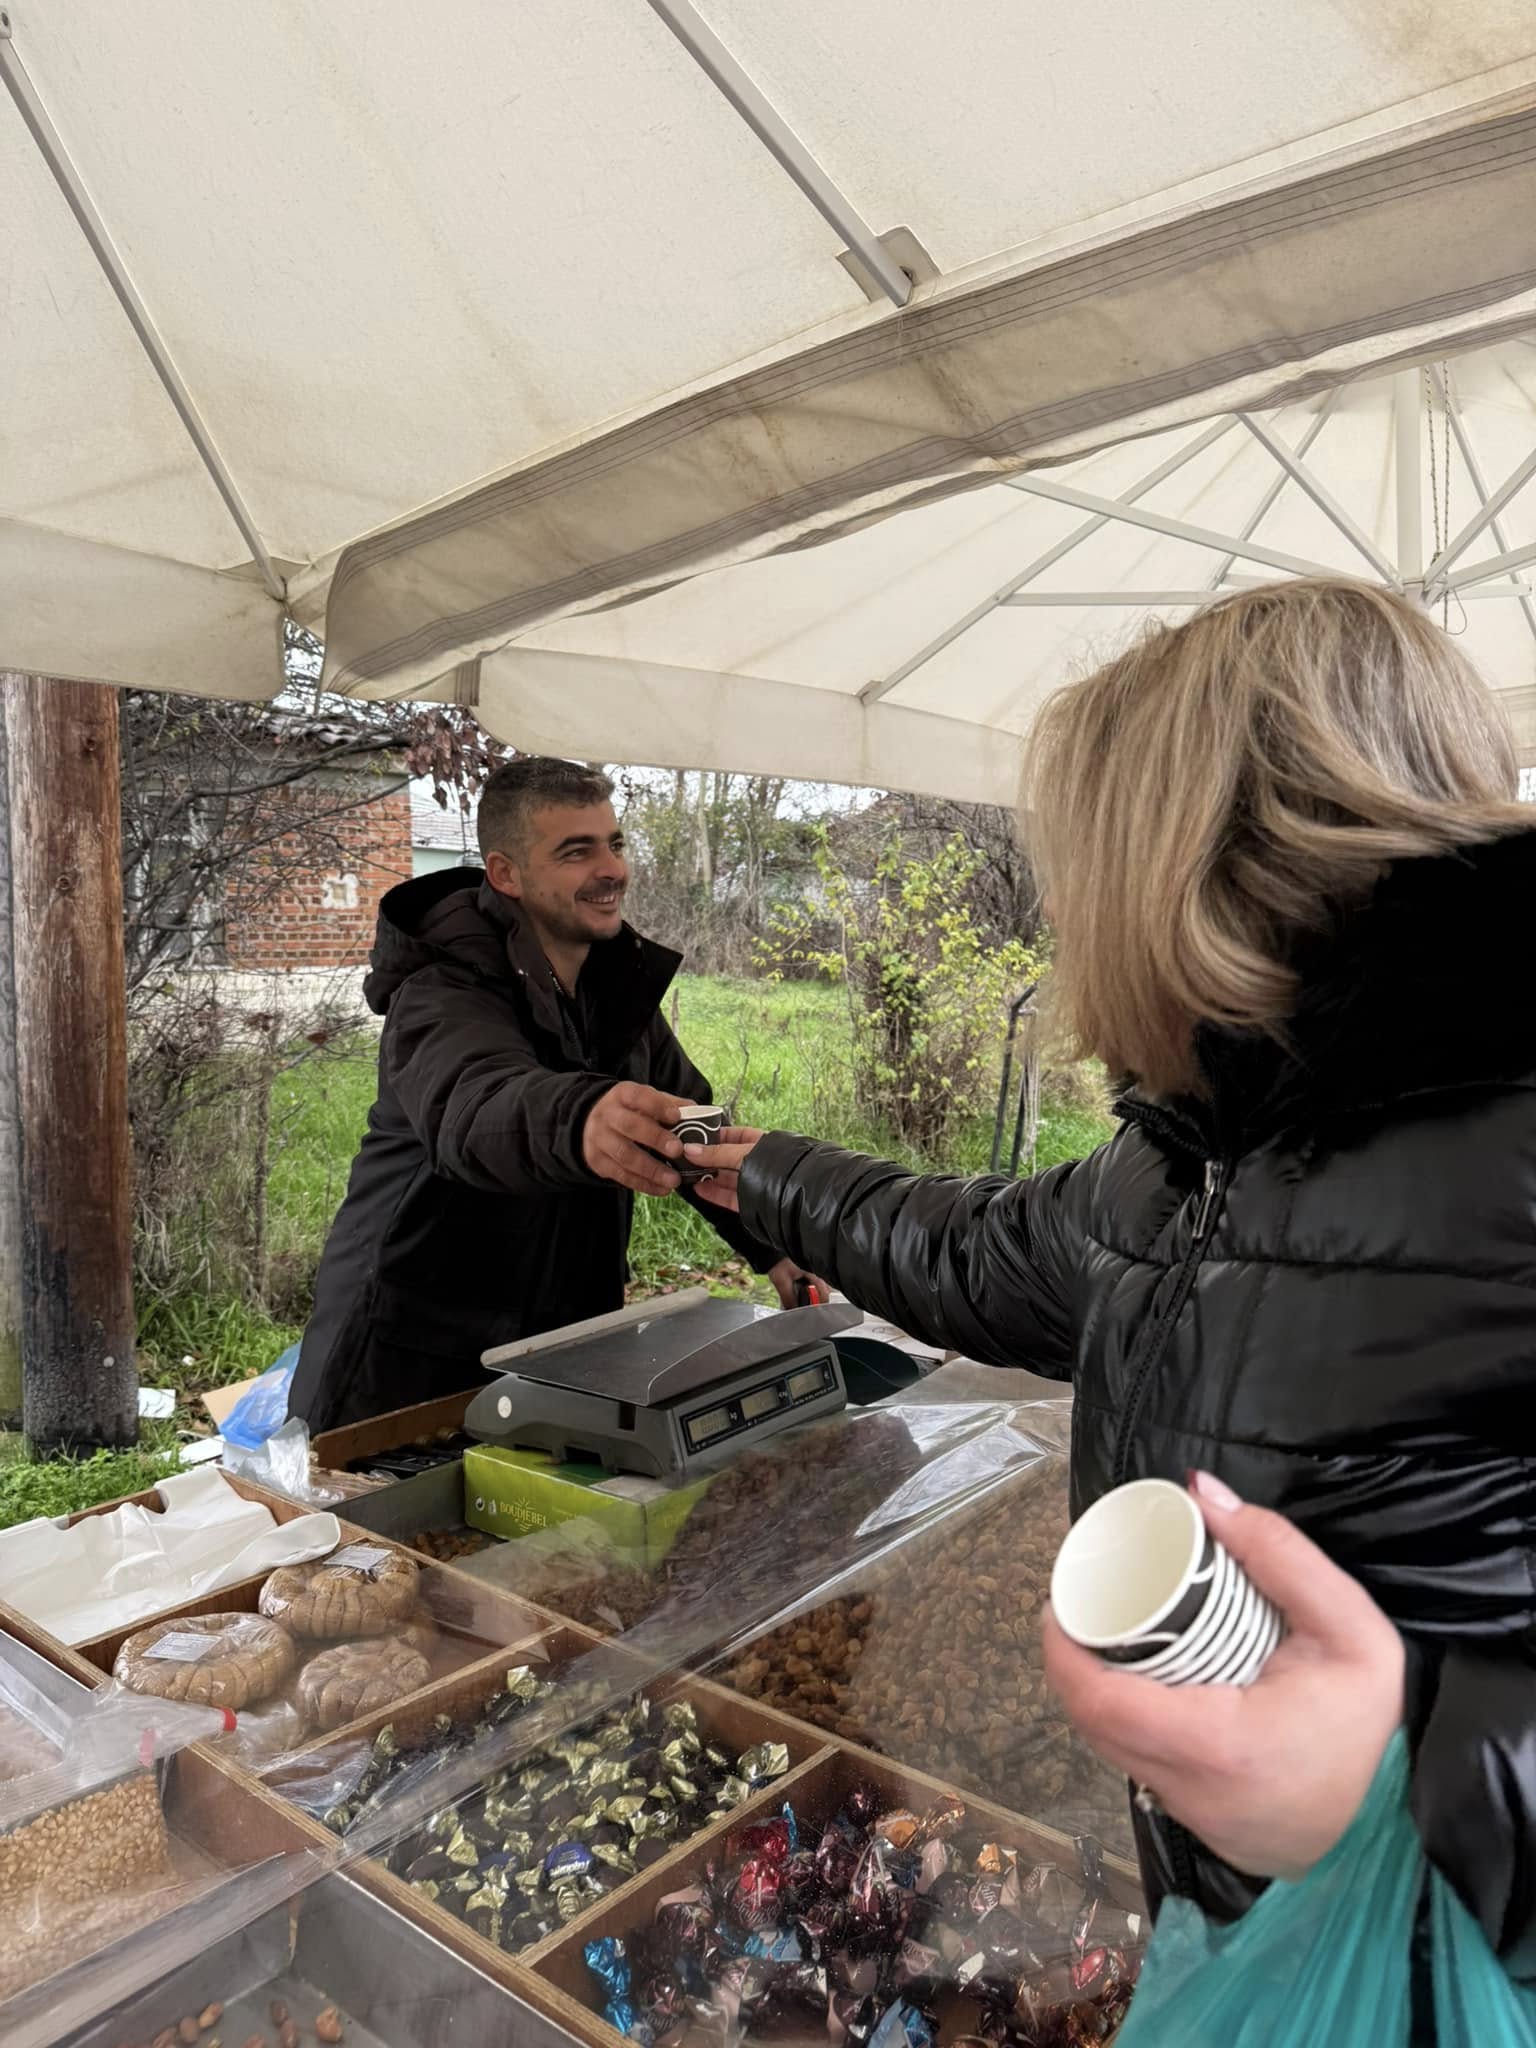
x=1292 y=896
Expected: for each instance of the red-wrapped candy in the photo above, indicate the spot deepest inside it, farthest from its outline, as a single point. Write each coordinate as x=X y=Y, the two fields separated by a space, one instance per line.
x=755 y=1893
x=768 y=1839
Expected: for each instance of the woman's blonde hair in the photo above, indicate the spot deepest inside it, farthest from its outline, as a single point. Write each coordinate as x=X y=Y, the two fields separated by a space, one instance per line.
x=1226 y=786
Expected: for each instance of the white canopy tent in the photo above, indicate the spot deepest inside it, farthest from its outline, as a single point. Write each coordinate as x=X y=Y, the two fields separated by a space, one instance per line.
x=673 y=388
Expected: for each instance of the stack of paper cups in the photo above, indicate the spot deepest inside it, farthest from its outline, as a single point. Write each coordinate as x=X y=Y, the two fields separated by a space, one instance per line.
x=1141 y=1580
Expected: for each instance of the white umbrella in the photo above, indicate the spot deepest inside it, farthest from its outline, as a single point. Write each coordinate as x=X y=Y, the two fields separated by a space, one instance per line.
x=913 y=653
x=621 y=296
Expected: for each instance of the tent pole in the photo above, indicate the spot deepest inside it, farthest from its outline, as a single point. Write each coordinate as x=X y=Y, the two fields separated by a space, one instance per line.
x=1480 y=485
x=883 y=686
x=1177 y=529
x=79 y=1385
x=1290 y=461
x=10 y=1125
x=1494 y=565
x=1436 y=578
x=1407 y=415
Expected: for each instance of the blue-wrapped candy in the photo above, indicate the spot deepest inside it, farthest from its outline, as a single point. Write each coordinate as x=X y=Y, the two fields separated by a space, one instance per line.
x=568 y=1860
x=904 y=2025
x=608 y=1960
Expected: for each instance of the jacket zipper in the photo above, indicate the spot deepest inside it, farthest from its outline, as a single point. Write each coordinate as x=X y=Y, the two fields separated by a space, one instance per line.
x=1217 y=1172
x=1161 y=1332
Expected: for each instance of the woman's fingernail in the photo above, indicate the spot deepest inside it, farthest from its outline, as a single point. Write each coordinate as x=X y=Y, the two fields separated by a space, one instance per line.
x=1213 y=1491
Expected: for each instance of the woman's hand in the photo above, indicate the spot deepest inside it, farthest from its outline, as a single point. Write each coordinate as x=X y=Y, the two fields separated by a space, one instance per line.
x=1270 y=1776
x=725 y=1159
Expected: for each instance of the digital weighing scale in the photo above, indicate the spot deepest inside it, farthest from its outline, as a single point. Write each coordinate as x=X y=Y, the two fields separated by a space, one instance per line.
x=669 y=1389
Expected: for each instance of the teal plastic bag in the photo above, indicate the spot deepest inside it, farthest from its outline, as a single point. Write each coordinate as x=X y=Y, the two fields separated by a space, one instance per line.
x=1328 y=1959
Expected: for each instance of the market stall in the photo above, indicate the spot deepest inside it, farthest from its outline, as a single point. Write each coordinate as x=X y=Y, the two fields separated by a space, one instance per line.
x=785 y=1759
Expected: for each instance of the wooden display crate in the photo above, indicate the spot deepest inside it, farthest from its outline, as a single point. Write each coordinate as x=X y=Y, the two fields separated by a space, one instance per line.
x=219 y=1824
x=723 y=1716
x=337 y=1450
x=817 y=1791
x=466 y=1608
x=337 y=1945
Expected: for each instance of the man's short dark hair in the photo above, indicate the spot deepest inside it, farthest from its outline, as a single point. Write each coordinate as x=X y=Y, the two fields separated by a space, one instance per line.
x=518 y=788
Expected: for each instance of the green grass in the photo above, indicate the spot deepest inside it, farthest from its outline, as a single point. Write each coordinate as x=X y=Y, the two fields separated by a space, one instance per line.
x=778 y=1052
x=62 y=1486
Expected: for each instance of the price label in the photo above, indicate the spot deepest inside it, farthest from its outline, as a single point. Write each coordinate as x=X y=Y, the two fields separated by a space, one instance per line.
x=366 y=1558
x=179 y=1646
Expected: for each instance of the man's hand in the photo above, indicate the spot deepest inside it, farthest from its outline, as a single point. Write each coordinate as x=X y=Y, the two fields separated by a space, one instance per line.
x=722 y=1161
x=624 y=1127
x=1271 y=1775
x=787 y=1276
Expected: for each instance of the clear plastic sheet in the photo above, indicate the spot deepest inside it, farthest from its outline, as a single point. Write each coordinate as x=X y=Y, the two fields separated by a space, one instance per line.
x=81 y=1739
x=595 y=1732
x=281 y=1464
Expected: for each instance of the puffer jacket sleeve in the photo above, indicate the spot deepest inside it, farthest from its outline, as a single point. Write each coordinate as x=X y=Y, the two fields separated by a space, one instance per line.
x=985 y=1266
x=1472 y=1724
x=485 y=1111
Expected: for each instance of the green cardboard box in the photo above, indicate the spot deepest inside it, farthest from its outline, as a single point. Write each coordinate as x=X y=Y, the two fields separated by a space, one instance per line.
x=513 y=1493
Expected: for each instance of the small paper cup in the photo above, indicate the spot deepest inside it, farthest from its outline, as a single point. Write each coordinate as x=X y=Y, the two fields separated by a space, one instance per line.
x=1141 y=1580
x=1134 y=1572
x=699 y=1127
x=1211 y=1629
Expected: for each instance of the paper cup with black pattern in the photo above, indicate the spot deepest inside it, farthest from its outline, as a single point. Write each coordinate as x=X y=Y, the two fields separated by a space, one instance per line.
x=1141 y=1581
x=701 y=1126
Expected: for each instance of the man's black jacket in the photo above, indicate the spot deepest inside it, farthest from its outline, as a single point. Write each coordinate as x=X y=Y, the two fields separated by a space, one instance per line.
x=470 y=1217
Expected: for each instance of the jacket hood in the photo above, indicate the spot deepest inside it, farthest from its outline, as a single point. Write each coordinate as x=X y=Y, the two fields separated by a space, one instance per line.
x=1416 y=991
x=423 y=919
x=456 y=916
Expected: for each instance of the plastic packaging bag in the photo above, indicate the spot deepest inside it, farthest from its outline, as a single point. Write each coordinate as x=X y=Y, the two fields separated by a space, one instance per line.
x=1329 y=1958
x=263 y=1409
x=280 y=1462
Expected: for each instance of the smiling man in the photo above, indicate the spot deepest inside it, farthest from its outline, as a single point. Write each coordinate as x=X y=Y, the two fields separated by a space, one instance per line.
x=527 y=1084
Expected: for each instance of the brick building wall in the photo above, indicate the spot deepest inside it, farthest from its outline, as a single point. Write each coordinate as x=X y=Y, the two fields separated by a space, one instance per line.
x=310 y=898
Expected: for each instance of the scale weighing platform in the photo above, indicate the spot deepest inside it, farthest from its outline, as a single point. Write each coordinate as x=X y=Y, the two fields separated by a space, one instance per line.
x=670 y=1389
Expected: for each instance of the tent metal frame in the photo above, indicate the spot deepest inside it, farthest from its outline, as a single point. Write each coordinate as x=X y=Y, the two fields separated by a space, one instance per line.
x=66 y=176
x=1426 y=583
x=730 y=79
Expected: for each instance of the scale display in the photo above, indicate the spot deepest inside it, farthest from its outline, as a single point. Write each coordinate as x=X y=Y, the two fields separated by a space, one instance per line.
x=778 y=1396
x=667 y=1395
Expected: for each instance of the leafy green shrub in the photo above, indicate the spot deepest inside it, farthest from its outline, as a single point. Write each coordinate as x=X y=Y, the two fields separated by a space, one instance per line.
x=927 y=992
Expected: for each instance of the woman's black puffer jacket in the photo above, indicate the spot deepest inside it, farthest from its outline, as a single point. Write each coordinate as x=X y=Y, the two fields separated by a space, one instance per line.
x=1319 y=1283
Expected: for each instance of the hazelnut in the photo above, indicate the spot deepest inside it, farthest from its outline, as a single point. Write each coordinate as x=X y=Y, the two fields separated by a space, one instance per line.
x=328 y=2025
x=288 y=2035
x=188 y=2030
x=210 y=2016
x=277 y=2012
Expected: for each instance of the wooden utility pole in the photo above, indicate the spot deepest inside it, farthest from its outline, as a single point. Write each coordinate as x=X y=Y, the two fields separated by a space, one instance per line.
x=79 y=1385
x=10 y=1130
